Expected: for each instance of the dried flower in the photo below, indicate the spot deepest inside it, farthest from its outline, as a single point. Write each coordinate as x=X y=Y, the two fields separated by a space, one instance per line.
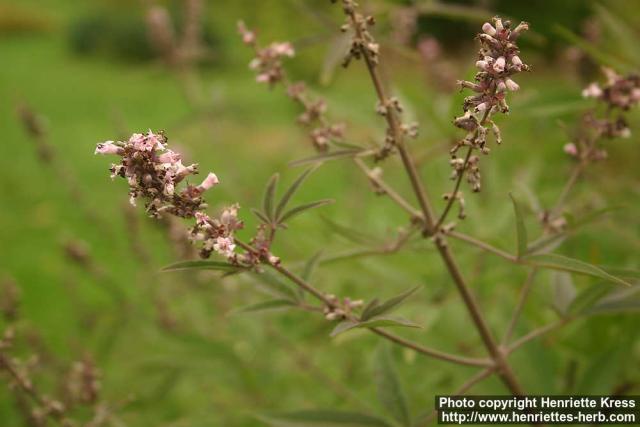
x=268 y=60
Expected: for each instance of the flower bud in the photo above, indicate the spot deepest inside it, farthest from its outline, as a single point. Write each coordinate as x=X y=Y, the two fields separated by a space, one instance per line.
x=489 y=29
x=209 y=181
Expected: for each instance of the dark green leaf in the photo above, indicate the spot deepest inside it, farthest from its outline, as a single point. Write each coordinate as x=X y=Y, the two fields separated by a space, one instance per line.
x=344 y=326
x=322 y=418
x=562 y=263
x=275 y=286
x=201 y=265
x=265 y=305
x=291 y=191
x=367 y=309
x=269 y=197
x=390 y=393
x=388 y=305
x=521 y=230
x=338 y=154
x=374 y=322
x=302 y=208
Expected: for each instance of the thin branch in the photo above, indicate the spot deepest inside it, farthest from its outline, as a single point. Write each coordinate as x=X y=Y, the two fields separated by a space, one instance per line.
x=524 y=293
x=537 y=333
x=480 y=376
x=482 y=245
x=506 y=374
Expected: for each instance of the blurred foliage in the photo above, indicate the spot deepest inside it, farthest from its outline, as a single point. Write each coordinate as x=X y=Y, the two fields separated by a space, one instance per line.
x=167 y=341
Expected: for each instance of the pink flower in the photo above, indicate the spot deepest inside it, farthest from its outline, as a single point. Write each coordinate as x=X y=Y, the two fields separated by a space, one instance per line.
x=169 y=157
x=489 y=29
x=224 y=246
x=592 y=91
x=283 y=49
x=108 y=147
x=498 y=67
x=202 y=218
x=571 y=149
x=209 y=181
x=511 y=85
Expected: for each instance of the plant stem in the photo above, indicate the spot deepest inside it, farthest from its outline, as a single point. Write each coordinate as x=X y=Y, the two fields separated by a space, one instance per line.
x=497 y=354
x=391 y=337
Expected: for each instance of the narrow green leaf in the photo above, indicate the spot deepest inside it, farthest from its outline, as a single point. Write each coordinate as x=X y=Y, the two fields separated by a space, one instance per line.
x=587 y=298
x=367 y=309
x=334 y=155
x=388 y=305
x=322 y=418
x=624 y=300
x=275 y=286
x=521 y=230
x=302 y=208
x=262 y=217
x=374 y=322
x=343 y=326
x=291 y=191
x=626 y=273
x=390 y=393
x=201 y=265
x=310 y=266
x=265 y=305
x=351 y=234
x=388 y=321
x=269 y=196
x=562 y=263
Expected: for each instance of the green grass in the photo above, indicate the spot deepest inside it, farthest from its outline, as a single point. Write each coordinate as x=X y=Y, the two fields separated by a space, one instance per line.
x=215 y=369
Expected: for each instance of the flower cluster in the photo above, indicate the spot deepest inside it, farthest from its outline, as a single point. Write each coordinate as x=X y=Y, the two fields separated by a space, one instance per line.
x=618 y=95
x=341 y=309
x=617 y=92
x=362 y=42
x=313 y=116
x=363 y=45
x=498 y=61
x=268 y=60
x=154 y=172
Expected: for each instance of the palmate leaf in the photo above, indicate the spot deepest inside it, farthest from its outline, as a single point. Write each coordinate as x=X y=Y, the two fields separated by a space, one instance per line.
x=375 y=309
x=302 y=208
x=282 y=204
x=390 y=393
x=322 y=418
x=562 y=263
x=269 y=196
x=374 y=322
x=202 y=265
x=521 y=230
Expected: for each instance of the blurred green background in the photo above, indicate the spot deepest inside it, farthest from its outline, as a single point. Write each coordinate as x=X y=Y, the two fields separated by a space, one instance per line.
x=88 y=268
